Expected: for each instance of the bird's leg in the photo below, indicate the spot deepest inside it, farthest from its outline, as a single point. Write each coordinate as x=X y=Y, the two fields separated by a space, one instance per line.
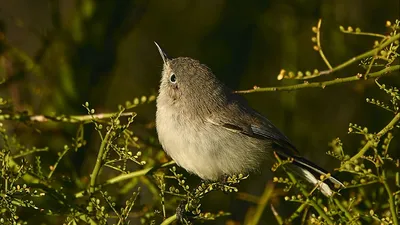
x=224 y=179
x=184 y=212
x=182 y=215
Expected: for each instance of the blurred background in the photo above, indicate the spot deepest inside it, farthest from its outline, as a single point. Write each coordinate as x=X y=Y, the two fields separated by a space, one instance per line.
x=67 y=52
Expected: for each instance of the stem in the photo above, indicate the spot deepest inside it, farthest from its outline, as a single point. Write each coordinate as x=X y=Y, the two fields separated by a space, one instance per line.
x=66 y=119
x=320 y=47
x=365 y=34
x=323 y=84
x=306 y=194
x=369 y=53
x=276 y=214
x=99 y=160
x=248 y=197
x=123 y=177
x=138 y=173
x=22 y=154
x=57 y=162
x=320 y=211
x=346 y=212
x=86 y=219
x=297 y=212
x=262 y=203
x=169 y=220
x=370 y=143
x=127 y=176
x=26 y=177
x=391 y=200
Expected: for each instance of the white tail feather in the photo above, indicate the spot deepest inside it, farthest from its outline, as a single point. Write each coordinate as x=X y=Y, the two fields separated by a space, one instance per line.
x=324 y=188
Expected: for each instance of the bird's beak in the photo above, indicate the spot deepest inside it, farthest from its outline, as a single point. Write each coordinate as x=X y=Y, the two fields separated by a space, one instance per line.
x=163 y=55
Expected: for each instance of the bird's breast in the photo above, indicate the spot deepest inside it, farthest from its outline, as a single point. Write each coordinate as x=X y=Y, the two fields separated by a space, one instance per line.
x=184 y=140
x=202 y=148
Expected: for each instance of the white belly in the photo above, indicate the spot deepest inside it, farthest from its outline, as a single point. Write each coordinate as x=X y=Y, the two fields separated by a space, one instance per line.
x=205 y=149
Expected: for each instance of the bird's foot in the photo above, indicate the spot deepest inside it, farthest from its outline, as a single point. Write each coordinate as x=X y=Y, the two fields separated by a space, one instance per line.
x=232 y=179
x=224 y=179
x=183 y=215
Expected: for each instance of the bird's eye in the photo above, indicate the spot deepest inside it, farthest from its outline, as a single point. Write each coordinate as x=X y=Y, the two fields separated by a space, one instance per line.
x=172 y=78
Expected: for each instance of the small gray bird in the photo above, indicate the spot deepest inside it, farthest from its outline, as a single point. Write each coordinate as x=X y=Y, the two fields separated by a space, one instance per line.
x=212 y=132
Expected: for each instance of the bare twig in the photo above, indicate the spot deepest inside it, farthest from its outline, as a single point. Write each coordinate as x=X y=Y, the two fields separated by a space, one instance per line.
x=319 y=47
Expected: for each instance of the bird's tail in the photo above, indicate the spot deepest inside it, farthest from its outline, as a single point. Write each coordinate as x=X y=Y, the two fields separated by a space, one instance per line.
x=312 y=173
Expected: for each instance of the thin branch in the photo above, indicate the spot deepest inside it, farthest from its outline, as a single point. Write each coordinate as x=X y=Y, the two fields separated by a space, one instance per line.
x=391 y=200
x=64 y=119
x=248 y=197
x=26 y=177
x=262 y=204
x=85 y=218
x=370 y=143
x=362 y=33
x=169 y=220
x=343 y=209
x=138 y=173
x=297 y=212
x=320 y=47
x=104 y=145
x=29 y=152
x=276 y=215
x=53 y=168
x=309 y=200
x=323 y=84
x=371 y=53
x=127 y=176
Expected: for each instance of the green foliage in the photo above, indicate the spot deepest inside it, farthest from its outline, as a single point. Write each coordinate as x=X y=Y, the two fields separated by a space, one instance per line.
x=131 y=181
x=376 y=169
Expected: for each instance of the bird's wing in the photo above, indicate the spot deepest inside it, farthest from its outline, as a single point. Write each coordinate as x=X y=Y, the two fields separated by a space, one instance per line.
x=237 y=117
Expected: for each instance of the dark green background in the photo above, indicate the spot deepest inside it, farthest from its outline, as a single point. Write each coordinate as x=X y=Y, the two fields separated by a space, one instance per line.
x=103 y=52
